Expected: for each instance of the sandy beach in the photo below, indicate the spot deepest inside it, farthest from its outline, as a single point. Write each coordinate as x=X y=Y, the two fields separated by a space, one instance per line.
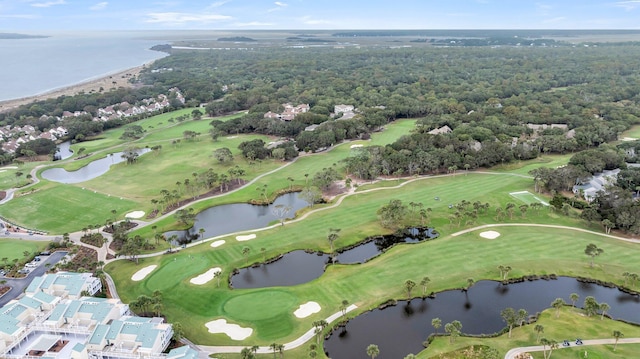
x=116 y=80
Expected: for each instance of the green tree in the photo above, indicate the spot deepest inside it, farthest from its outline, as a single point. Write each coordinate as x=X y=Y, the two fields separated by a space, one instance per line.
x=333 y=236
x=319 y=326
x=436 y=323
x=245 y=253
x=557 y=304
x=454 y=329
x=574 y=298
x=392 y=214
x=510 y=316
x=617 y=335
x=593 y=251
x=409 y=285
x=591 y=306
x=538 y=329
x=373 y=351
x=604 y=307
x=424 y=282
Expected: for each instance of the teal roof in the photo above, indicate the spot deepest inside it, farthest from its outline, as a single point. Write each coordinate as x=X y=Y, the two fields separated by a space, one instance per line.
x=58 y=312
x=99 y=334
x=184 y=352
x=30 y=302
x=44 y=297
x=147 y=336
x=13 y=310
x=78 y=347
x=8 y=325
x=98 y=311
x=34 y=285
x=114 y=329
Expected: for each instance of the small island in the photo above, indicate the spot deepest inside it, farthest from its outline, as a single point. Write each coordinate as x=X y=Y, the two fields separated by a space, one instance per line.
x=237 y=39
x=14 y=36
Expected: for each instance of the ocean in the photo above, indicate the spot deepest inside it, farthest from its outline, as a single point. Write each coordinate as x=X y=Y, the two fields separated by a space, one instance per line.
x=33 y=66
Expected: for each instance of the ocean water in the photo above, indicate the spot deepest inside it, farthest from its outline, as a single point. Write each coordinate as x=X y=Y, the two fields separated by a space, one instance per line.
x=33 y=66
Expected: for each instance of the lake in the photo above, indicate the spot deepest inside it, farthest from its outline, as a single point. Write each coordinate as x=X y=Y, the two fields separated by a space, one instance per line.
x=401 y=329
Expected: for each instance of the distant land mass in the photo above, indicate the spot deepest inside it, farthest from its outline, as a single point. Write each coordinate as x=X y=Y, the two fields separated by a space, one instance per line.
x=9 y=35
x=237 y=39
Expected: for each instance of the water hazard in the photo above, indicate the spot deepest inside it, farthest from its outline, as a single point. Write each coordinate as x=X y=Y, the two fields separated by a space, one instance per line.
x=401 y=329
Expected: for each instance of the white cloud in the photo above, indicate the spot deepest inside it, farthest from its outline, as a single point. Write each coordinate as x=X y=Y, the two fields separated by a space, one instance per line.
x=99 y=6
x=279 y=6
x=49 y=3
x=177 y=18
x=218 y=3
x=254 y=23
x=628 y=5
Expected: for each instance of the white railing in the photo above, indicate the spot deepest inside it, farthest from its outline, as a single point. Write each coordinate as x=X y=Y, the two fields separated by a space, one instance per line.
x=124 y=355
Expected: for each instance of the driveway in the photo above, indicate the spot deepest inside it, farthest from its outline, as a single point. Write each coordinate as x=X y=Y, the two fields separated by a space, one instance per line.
x=18 y=285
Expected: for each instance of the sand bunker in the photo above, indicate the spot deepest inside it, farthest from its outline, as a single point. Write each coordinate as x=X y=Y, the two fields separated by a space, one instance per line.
x=356 y=146
x=135 y=214
x=205 y=277
x=490 y=234
x=248 y=237
x=231 y=137
x=234 y=331
x=307 y=309
x=142 y=273
x=9 y=168
x=218 y=243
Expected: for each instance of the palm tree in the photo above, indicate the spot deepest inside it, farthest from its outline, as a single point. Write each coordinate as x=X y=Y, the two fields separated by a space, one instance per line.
x=333 y=236
x=617 y=334
x=544 y=342
x=539 y=329
x=470 y=283
x=604 y=307
x=274 y=347
x=557 y=304
x=373 y=351
x=245 y=252
x=436 y=323
x=409 y=285
x=246 y=353
x=319 y=327
x=201 y=232
x=343 y=307
x=424 y=282
x=574 y=298
x=593 y=251
x=217 y=275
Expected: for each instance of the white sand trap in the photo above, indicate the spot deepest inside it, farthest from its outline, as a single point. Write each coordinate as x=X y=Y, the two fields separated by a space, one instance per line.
x=135 y=214
x=205 y=277
x=234 y=331
x=248 y=237
x=490 y=234
x=307 y=309
x=218 y=243
x=9 y=168
x=356 y=146
x=231 y=137
x=142 y=273
x=629 y=139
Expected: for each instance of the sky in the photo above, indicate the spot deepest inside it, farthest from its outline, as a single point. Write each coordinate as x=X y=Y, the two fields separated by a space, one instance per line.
x=30 y=16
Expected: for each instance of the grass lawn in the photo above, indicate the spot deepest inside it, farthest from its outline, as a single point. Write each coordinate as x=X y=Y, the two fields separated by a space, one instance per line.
x=527 y=197
x=14 y=248
x=449 y=261
x=8 y=178
x=571 y=324
x=633 y=132
x=64 y=208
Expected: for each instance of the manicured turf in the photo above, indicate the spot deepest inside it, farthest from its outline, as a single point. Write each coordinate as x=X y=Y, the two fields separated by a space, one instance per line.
x=14 y=248
x=527 y=197
x=447 y=261
x=64 y=208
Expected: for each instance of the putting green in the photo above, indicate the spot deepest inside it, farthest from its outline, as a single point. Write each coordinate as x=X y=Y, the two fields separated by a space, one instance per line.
x=260 y=305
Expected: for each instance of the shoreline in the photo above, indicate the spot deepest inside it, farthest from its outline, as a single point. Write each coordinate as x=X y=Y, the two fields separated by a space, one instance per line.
x=112 y=80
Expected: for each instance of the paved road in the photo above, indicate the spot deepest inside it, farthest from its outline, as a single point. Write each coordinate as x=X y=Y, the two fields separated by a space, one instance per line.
x=19 y=285
x=538 y=348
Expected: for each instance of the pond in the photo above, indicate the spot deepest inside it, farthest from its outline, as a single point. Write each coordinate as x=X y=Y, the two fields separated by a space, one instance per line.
x=229 y=218
x=299 y=267
x=92 y=170
x=63 y=151
x=401 y=329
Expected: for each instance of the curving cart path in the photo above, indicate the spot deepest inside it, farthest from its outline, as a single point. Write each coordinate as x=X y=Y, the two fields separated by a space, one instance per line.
x=511 y=354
